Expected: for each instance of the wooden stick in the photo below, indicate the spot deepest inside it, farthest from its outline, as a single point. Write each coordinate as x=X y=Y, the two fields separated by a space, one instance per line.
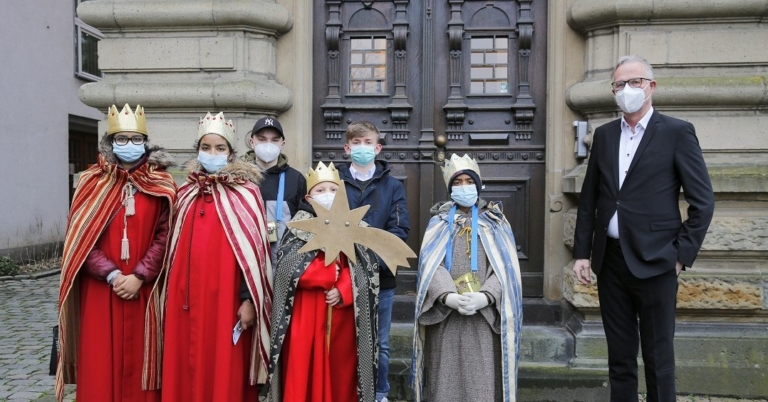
x=329 y=317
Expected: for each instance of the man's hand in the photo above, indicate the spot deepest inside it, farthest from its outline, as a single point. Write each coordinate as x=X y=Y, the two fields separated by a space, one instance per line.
x=246 y=313
x=678 y=268
x=129 y=288
x=581 y=269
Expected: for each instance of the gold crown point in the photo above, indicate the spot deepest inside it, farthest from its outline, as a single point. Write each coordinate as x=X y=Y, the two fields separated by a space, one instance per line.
x=126 y=120
x=322 y=173
x=218 y=124
x=457 y=164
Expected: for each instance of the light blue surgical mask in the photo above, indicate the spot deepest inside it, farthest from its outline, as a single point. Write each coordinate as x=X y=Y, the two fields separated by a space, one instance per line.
x=363 y=155
x=466 y=196
x=129 y=152
x=212 y=163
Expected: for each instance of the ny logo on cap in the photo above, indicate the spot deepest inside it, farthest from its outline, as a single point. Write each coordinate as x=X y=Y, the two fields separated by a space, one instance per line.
x=269 y=122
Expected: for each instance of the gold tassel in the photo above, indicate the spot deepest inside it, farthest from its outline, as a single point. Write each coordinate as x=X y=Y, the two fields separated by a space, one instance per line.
x=124 y=249
x=467 y=231
x=128 y=201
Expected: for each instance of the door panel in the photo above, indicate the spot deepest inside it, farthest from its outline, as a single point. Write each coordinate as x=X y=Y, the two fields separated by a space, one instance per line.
x=441 y=77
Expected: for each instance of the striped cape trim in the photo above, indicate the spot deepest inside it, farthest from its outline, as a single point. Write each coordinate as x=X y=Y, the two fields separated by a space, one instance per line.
x=95 y=202
x=241 y=211
x=497 y=240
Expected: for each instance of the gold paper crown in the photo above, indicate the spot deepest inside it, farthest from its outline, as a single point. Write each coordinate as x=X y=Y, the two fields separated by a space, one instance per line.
x=322 y=174
x=456 y=164
x=211 y=124
x=126 y=120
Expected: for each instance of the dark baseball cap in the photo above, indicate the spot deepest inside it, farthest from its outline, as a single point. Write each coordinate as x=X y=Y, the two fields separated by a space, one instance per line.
x=267 y=122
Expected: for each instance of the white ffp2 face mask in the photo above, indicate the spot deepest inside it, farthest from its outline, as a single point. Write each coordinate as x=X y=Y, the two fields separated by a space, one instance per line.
x=630 y=100
x=266 y=151
x=325 y=199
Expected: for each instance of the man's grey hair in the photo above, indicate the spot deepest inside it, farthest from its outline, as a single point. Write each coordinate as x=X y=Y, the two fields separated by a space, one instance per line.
x=637 y=59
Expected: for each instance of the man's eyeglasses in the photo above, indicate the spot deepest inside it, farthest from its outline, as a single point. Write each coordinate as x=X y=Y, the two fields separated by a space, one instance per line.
x=123 y=140
x=634 y=83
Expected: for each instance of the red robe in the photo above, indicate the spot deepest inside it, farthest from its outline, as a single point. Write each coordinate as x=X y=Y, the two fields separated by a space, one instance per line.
x=117 y=337
x=200 y=363
x=112 y=329
x=307 y=360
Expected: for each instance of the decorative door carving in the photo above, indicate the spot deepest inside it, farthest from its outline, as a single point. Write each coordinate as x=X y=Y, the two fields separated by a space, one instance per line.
x=441 y=77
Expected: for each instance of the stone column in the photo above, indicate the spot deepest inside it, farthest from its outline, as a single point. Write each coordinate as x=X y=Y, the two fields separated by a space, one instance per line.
x=709 y=60
x=182 y=58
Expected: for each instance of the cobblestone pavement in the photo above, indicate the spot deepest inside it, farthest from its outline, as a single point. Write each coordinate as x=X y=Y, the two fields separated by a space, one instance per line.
x=27 y=316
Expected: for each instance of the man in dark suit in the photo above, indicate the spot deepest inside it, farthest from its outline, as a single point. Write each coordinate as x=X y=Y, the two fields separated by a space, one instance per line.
x=629 y=222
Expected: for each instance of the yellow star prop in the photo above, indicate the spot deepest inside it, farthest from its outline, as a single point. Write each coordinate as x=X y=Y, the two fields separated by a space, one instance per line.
x=338 y=229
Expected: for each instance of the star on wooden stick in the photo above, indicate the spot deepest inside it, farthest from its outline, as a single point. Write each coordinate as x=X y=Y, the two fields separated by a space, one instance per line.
x=338 y=229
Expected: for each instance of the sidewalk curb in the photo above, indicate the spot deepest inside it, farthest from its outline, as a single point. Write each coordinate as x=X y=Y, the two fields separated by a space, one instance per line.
x=36 y=275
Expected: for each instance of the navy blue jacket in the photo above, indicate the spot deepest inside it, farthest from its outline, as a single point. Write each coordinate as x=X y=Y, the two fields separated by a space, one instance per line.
x=386 y=196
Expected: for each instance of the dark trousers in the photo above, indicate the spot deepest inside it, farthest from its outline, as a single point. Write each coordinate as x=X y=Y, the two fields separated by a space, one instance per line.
x=624 y=301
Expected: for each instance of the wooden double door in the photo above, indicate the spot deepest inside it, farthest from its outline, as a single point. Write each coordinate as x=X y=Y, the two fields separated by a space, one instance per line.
x=440 y=77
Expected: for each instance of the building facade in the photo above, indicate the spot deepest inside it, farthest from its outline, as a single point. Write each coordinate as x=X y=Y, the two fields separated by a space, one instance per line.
x=503 y=81
x=48 y=133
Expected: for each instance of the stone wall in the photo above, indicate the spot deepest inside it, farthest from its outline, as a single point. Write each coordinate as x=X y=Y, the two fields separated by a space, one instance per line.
x=709 y=63
x=181 y=59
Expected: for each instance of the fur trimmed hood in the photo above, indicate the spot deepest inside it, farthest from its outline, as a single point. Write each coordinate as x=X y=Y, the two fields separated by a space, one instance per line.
x=237 y=169
x=155 y=155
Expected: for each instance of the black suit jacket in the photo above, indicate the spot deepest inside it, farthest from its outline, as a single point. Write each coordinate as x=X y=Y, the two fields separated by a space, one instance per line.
x=652 y=235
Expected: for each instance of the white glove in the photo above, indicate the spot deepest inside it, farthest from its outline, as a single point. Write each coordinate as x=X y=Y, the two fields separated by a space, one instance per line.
x=453 y=300
x=475 y=301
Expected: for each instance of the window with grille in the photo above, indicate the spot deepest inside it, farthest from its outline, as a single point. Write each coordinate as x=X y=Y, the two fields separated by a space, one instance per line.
x=489 y=65
x=368 y=65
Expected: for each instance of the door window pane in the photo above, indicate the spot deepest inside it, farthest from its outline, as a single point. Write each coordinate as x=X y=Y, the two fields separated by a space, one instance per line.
x=481 y=43
x=482 y=72
x=374 y=87
x=368 y=65
x=489 y=65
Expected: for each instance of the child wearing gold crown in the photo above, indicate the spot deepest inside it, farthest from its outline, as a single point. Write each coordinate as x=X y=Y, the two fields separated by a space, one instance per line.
x=113 y=251
x=468 y=305
x=218 y=296
x=321 y=313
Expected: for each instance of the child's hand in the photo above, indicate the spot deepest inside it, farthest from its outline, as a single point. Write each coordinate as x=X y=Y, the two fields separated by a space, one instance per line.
x=119 y=279
x=129 y=288
x=247 y=314
x=333 y=297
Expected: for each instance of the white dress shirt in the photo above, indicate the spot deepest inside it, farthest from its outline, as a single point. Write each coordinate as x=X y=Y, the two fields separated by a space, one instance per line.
x=362 y=176
x=630 y=139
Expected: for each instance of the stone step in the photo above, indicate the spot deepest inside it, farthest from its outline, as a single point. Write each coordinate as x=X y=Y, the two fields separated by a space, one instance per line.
x=538 y=382
x=721 y=359
x=544 y=373
x=539 y=344
x=717 y=359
